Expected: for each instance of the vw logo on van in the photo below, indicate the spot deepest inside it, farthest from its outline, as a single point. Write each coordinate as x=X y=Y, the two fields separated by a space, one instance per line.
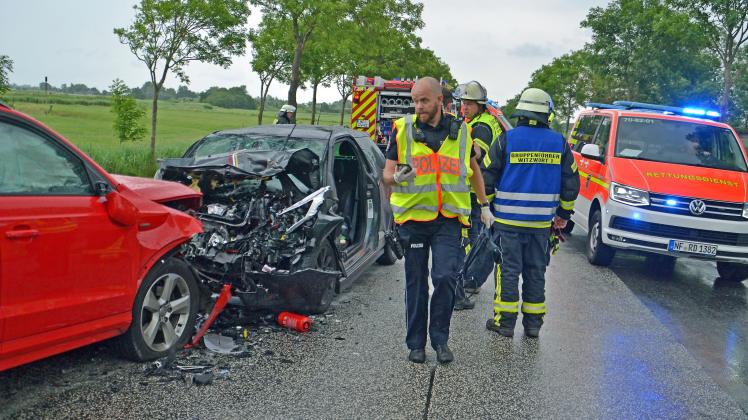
x=697 y=207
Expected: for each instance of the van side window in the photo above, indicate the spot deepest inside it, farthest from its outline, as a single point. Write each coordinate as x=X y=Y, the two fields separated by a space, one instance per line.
x=602 y=136
x=585 y=130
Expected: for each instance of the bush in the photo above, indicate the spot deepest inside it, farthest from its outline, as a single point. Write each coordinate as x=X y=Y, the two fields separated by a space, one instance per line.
x=128 y=116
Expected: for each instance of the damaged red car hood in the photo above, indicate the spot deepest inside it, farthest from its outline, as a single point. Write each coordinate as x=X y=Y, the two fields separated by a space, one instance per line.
x=156 y=190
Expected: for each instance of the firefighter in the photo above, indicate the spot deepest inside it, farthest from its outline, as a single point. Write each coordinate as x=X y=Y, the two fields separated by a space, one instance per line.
x=286 y=115
x=430 y=167
x=484 y=128
x=536 y=183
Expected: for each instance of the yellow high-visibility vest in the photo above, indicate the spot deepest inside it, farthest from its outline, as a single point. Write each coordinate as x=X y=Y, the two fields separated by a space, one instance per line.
x=492 y=123
x=442 y=182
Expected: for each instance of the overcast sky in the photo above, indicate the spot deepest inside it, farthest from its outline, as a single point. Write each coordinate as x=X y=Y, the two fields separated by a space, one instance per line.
x=499 y=43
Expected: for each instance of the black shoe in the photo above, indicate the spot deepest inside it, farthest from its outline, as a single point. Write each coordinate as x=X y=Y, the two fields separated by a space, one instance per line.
x=444 y=354
x=417 y=356
x=464 y=303
x=472 y=290
x=532 y=332
x=505 y=331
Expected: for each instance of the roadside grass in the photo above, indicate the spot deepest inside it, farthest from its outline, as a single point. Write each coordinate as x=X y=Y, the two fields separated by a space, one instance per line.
x=86 y=121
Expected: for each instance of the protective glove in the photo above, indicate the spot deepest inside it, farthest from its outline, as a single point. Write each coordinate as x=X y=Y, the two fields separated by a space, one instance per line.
x=404 y=174
x=486 y=217
x=559 y=223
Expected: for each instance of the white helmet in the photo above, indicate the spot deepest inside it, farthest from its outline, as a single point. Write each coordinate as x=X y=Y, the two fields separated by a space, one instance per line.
x=288 y=108
x=474 y=91
x=535 y=104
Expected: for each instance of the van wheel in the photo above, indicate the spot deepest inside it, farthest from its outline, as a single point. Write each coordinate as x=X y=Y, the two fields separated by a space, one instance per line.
x=164 y=312
x=569 y=227
x=597 y=252
x=731 y=271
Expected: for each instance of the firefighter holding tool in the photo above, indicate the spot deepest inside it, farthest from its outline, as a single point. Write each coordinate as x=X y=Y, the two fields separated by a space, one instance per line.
x=536 y=182
x=431 y=166
x=484 y=129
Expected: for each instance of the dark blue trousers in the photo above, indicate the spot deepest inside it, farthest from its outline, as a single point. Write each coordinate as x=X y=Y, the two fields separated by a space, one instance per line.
x=442 y=238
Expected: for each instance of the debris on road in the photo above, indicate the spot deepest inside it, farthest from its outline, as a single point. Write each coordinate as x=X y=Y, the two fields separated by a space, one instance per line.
x=294 y=321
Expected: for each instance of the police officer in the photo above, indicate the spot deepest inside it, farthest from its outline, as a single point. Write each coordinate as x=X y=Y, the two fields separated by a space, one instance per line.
x=484 y=128
x=431 y=166
x=536 y=183
x=286 y=115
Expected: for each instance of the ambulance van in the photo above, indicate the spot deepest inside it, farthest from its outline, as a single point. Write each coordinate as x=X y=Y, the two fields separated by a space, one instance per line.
x=664 y=180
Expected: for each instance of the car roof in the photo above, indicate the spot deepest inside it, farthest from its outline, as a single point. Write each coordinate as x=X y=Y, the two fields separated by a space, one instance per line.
x=653 y=114
x=321 y=132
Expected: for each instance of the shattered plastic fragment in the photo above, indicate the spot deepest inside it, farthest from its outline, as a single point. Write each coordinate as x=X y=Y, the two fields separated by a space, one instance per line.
x=221 y=344
x=203 y=378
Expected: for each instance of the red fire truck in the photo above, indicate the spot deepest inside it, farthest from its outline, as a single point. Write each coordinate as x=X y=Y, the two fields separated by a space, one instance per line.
x=377 y=103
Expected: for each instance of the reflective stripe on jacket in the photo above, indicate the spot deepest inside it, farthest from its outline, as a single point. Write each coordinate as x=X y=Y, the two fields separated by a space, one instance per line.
x=528 y=193
x=442 y=182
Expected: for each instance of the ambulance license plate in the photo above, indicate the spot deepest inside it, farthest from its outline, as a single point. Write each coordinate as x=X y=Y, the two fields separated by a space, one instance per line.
x=692 y=247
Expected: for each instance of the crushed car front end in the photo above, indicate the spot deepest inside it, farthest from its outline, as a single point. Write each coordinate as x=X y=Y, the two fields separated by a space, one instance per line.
x=266 y=225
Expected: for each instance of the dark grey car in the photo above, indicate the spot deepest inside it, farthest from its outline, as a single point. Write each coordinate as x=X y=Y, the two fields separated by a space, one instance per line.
x=291 y=213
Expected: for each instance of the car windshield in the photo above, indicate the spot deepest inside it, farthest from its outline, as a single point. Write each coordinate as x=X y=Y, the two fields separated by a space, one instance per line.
x=222 y=143
x=679 y=142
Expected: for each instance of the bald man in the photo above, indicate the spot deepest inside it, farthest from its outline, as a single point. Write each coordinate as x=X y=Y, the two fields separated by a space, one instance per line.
x=430 y=167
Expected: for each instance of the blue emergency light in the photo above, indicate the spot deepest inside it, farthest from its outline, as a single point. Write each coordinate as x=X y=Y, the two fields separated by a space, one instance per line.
x=628 y=105
x=671 y=202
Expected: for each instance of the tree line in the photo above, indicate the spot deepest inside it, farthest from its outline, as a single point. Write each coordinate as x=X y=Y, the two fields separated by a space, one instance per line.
x=673 y=52
x=302 y=43
x=232 y=97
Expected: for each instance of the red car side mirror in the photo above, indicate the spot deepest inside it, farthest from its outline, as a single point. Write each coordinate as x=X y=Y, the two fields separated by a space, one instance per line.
x=120 y=209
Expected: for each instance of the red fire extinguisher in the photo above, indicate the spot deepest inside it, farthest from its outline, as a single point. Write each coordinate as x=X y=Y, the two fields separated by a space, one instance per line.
x=294 y=321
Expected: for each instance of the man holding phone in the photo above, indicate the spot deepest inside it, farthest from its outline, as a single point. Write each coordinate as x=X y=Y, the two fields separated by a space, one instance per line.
x=431 y=165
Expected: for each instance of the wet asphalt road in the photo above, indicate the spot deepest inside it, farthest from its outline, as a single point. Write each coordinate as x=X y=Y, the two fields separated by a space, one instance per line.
x=619 y=343
x=707 y=315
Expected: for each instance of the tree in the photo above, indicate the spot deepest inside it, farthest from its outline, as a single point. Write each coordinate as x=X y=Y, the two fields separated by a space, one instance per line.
x=303 y=17
x=725 y=23
x=184 y=92
x=387 y=28
x=271 y=56
x=739 y=118
x=128 y=116
x=320 y=62
x=344 y=84
x=168 y=34
x=567 y=80
x=6 y=67
x=643 y=50
x=235 y=97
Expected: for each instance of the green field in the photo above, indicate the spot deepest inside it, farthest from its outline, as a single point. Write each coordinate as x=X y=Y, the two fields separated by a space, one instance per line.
x=87 y=122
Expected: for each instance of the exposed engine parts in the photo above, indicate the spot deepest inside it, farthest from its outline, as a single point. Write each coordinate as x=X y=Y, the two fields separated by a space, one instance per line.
x=251 y=225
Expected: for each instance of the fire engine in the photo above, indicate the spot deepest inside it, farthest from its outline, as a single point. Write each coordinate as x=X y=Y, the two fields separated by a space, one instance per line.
x=377 y=103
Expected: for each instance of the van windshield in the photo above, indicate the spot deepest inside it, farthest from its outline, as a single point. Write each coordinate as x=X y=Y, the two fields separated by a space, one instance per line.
x=679 y=142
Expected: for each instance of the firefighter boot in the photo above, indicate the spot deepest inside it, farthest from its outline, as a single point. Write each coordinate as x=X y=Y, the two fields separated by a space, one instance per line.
x=501 y=329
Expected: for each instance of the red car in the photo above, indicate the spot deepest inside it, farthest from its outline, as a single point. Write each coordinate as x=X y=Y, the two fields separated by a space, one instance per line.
x=85 y=255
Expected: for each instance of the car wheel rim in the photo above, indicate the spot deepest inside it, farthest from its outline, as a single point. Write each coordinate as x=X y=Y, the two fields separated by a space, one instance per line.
x=165 y=311
x=594 y=235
